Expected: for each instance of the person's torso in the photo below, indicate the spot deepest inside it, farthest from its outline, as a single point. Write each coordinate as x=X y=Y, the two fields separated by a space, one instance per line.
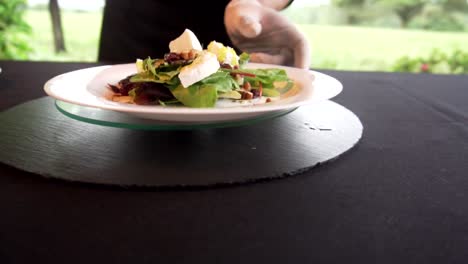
x=138 y=29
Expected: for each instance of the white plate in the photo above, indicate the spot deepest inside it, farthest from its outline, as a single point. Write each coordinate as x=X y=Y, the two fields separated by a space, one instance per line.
x=88 y=87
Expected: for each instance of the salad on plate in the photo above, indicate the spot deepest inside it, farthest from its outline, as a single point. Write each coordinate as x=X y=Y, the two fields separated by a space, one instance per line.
x=201 y=78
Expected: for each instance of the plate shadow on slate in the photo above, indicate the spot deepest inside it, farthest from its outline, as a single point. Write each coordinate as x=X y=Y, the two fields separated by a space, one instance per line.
x=37 y=138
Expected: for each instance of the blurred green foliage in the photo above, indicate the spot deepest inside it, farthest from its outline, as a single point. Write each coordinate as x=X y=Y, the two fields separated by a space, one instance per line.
x=438 y=15
x=14 y=31
x=437 y=62
x=434 y=17
x=334 y=44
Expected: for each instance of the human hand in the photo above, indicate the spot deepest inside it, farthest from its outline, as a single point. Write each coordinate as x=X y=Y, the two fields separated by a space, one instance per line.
x=264 y=33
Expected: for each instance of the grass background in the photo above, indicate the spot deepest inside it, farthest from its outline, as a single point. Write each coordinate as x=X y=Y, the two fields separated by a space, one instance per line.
x=81 y=34
x=361 y=48
x=333 y=47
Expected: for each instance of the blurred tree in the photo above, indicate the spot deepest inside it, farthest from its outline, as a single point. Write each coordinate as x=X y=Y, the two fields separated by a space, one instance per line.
x=14 y=30
x=405 y=9
x=57 y=26
x=353 y=8
x=408 y=9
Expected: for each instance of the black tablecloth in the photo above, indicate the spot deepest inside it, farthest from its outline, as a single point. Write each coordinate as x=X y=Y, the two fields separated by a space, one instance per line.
x=400 y=196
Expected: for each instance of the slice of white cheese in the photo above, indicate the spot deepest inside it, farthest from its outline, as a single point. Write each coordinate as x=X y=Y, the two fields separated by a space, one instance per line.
x=185 y=42
x=203 y=66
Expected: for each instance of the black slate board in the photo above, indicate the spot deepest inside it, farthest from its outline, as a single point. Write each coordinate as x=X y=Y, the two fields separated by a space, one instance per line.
x=37 y=138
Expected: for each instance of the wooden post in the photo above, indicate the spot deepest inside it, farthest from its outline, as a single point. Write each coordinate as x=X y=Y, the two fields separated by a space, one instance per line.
x=59 y=42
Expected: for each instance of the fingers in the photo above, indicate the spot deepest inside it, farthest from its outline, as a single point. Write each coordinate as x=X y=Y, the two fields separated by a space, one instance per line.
x=302 y=54
x=260 y=57
x=297 y=56
x=263 y=32
x=275 y=50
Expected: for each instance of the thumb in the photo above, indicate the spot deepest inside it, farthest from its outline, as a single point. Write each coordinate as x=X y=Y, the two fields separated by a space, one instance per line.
x=249 y=26
x=242 y=18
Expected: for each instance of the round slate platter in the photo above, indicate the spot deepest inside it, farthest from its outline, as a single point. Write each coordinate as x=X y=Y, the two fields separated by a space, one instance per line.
x=37 y=138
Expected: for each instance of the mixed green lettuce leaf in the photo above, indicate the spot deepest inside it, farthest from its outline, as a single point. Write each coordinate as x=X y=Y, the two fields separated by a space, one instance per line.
x=204 y=94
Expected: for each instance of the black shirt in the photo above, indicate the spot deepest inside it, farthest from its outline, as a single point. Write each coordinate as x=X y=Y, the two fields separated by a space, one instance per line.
x=142 y=28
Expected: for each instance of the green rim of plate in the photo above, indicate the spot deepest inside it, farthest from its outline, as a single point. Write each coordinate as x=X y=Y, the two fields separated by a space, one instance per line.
x=121 y=120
